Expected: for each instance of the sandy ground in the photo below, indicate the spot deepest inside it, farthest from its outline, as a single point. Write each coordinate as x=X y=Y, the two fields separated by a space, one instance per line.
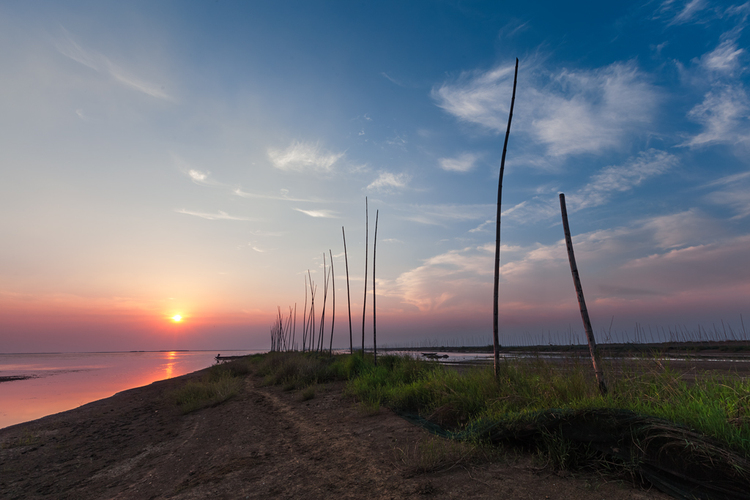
x=264 y=443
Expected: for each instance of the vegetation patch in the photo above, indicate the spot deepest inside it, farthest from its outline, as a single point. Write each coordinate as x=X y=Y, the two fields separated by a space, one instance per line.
x=221 y=383
x=687 y=438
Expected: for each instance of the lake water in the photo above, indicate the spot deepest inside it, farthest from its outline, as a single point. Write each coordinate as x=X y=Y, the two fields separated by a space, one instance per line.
x=68 y=380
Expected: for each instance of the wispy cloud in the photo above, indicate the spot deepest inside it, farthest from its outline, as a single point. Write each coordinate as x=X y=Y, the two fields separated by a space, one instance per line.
x=440 y=214
x=68 y=47
x=326 y=214
x=725 y=58
x=688 y=11
x=304 y=157
x=462 y=163
x=217 y=216
x=724 y=116
x=391 y=79
x=621 y=264
x=282 y=196
x=733 y=193
x=570 y=112
x=600 y=189
x=622 y=178
x=389 y=181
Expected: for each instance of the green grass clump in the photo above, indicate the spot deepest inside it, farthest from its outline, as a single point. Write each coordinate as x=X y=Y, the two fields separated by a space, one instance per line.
x=219 y=384
x=716 y=406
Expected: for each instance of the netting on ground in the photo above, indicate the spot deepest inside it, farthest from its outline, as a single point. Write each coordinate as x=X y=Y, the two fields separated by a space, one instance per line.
x=674 y=459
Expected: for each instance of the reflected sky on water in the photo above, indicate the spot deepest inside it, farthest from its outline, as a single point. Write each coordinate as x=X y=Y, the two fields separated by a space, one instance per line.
x=65 y=381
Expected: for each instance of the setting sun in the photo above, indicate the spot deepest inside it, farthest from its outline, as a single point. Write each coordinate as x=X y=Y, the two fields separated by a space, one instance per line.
x=176 y=318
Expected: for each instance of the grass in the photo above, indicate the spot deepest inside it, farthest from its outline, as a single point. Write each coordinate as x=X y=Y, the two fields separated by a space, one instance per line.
x=221 y=383
x=652 y=424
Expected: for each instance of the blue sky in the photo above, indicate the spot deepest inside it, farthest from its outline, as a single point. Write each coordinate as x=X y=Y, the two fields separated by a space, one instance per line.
x=199 y=157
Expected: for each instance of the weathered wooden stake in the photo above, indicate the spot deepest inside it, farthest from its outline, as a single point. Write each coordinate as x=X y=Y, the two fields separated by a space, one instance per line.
x=374 y=329
x=495 y=306
x=581 y=301
x=348 y=297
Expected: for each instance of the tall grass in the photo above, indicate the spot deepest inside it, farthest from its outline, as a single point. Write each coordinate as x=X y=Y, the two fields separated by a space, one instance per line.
x=715 y=405
x=220 y=383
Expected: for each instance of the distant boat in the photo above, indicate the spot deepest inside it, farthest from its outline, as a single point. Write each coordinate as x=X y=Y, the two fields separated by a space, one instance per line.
x=434 y=355
x=220 y=359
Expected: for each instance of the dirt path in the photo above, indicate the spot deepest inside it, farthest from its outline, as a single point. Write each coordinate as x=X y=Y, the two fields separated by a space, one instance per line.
x=262 y=444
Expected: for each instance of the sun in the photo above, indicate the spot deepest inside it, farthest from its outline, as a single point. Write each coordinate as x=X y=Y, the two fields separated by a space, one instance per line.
x=176 y=318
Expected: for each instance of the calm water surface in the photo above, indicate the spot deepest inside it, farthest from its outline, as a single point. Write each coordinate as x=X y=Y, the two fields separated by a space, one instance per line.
x=65 y=381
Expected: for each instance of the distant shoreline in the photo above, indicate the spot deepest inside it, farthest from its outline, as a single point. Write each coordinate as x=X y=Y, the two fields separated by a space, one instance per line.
x=13 y=378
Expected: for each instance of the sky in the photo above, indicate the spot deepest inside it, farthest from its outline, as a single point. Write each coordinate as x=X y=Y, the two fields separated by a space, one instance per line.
x=200 y=157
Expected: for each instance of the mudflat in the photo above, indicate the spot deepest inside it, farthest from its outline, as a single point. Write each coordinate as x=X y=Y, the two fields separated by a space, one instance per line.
x=264 y=443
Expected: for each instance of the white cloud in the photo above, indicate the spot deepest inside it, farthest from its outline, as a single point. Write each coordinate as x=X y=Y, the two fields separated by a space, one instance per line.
x=102 y=64
x=724 y=58
x=599 y=190
x=622 y=178
x=724 y=116
x=734 y=194
x=326 y=214
x=688 y=12
x=463 y=163
x=389 y=180
x=664 y=256
x=304 y=156
x=439 y=214
x=569 y=112
x=198 y=176
x=217 y=216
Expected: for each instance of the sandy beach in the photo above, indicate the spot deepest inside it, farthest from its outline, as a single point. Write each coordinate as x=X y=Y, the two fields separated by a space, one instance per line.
x=265 y=443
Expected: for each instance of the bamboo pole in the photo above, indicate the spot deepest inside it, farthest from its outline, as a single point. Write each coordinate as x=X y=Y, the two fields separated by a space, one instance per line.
x=294 y=328
x=348 y=296
x=304 y=318
x=495 y=306
x=374 y=329
x=319 y=343
x=581 y=301
x=364 y=304
x=333 y=304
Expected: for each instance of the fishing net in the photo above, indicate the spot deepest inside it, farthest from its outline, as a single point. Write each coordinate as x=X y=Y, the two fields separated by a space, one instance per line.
x=674 y=459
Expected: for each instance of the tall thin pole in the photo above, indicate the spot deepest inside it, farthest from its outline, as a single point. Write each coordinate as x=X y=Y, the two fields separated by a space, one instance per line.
x=496 y=299
x=304 y=318
x=333 y=304
x=319 y=343
x=581 y=301
x=374 y=329
x=348 y=297
x=364 y=305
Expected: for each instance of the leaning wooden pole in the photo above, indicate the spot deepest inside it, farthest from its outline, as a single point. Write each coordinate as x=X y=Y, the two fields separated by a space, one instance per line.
x=496 y=299
x=374 y=329
x=364 y=305
x=348 y=296
x=581 y=301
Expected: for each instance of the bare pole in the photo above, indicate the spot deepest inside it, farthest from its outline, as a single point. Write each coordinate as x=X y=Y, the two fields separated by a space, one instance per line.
x=496 y=299
x=319 y=343
x=304 y=317
x=364 y=305
x=294 y=328
x=581 y=301
x=348 y=297
x=333 y=311
x=374 y=329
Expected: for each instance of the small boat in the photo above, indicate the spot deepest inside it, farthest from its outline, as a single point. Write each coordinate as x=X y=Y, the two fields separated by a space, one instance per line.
x=220 y=359
x=434 y=355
